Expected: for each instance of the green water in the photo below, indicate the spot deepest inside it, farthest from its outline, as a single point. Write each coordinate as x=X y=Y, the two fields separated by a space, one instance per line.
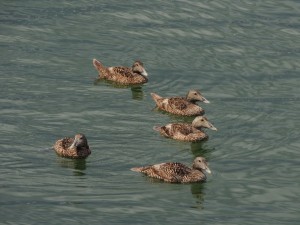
x=242 y=55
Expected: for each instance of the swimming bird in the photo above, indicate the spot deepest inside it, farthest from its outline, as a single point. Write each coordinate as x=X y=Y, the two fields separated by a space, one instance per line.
x=186 y=132
x=76 y=148
x=123 y=75
x=175 y=172
x=184 y=106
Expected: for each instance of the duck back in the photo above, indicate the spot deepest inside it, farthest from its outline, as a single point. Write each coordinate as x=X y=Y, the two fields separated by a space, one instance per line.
x=181 y=132
x=119 y=74
x=62 y=148
x=177 y=105
x=172 y=172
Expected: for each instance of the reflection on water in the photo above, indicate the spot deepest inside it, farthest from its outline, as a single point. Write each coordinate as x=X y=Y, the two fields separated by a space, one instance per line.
x=197 y=190
x=98 y=81
x=239 y=52
x=152 y=180
x=137 y=93
x=78 y=165
x=199 y=149
x=136 y=89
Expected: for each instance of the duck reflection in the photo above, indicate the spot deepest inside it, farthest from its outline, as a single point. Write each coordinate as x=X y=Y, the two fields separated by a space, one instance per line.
x=98 y=81
x=197 y=190
x=199 y=149
x=136 y=90
x=78 y=165
x=137 y=93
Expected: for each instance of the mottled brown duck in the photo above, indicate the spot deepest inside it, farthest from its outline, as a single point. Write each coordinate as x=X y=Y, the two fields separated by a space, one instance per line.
x=122 y=75
x=186 y=132
x=184 y=106
x=175 y=172
x=75 y=148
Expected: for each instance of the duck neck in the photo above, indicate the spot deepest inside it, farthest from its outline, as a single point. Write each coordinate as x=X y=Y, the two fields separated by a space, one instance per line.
x=195 y=127
x=197 y=168
x=190 y=99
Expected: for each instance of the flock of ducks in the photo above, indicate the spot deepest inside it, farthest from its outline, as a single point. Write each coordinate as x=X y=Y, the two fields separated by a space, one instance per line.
x=173 y=172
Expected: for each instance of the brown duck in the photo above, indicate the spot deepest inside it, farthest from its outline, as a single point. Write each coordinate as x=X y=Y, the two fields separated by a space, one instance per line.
x=175 y=172
x=75 y=148
x=186 y=132
x=123 y=75
x=184 y=106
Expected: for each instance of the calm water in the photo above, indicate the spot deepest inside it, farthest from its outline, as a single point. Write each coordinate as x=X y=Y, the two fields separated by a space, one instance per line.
x=243 y=55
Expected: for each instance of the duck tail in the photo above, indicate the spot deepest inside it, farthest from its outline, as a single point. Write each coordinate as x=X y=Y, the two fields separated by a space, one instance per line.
x=99 y=66
x=155 y=97
x=157 y=128
x=137 y=169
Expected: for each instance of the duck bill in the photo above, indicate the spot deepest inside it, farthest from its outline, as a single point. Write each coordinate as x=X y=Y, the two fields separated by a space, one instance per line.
x=205 y=100
x=144 y=73
x=201 y=98
x=212 y=127
x=207 y=170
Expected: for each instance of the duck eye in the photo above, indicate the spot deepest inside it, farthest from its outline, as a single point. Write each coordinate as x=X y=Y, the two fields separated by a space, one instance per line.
x=202 y=120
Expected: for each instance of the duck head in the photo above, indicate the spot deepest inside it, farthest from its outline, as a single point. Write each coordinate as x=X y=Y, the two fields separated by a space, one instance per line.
x=202 y=121
x=195 y=95
x=79 y=141
x=201 y=164
x=138 y=67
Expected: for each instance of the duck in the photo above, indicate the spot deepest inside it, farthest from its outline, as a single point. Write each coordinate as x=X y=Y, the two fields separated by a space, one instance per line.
x=123 y=75
x=183 y=106
x=175 y=172
x=75 y=148
x=186 y=132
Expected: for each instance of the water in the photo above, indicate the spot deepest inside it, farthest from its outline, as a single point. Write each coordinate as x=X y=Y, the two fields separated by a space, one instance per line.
x=242 y=55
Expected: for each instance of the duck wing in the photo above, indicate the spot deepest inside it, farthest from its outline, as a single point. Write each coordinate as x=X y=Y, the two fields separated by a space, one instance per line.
x=61 y=146
x=172 y=172
x=182 y=128
x=67 y=142
x=182 y=132
x=121 y=71
x=174 y=129
x=178 y=103
x=125 y=75
x=191 y=137
x=180 y=106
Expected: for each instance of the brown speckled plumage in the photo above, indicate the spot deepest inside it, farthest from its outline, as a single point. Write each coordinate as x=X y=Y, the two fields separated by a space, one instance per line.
x=184 y=106
x=123 y=75
x=186 y=132
x=175 y=172
x=76 y=148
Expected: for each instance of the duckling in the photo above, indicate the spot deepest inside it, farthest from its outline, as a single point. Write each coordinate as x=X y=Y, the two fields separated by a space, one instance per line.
x=184 y=106
x=123 y=75
x=174 y=172
x=76 y=148
x=186 y=132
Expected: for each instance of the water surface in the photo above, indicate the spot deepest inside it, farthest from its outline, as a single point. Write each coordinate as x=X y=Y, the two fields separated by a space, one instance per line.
x=242 y=55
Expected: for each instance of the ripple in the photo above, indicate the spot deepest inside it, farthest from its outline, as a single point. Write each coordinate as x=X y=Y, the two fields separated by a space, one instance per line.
x=241 y=55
